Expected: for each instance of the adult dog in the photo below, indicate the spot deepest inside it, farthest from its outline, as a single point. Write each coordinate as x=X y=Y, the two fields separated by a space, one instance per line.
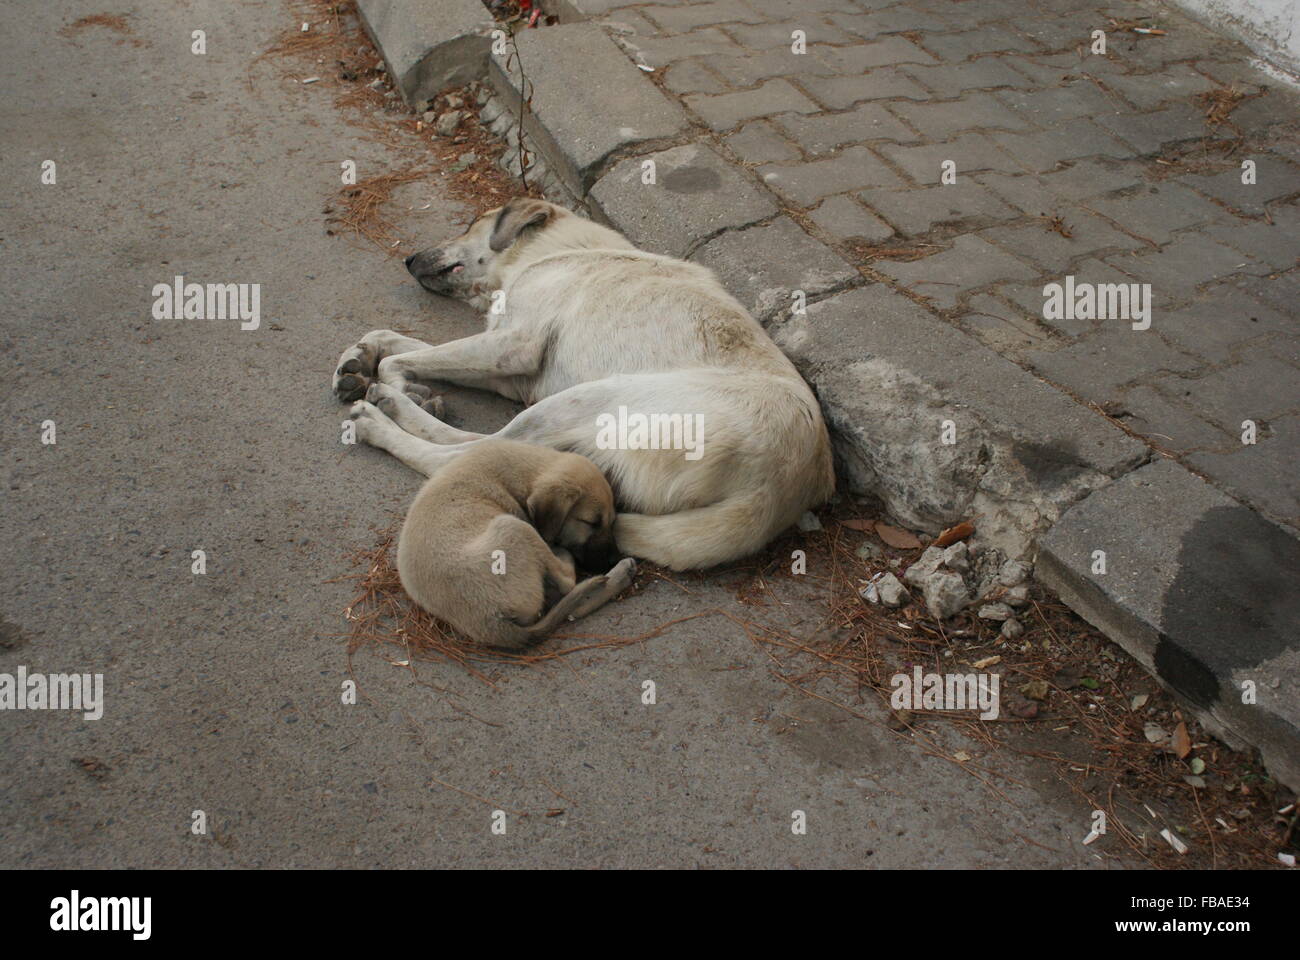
x=580 y=323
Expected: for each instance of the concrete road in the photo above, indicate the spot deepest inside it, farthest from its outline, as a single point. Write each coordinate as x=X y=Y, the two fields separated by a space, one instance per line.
x=223 y=691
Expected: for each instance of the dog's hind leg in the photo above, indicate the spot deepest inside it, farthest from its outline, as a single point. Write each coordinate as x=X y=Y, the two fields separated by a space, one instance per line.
x=376 y=429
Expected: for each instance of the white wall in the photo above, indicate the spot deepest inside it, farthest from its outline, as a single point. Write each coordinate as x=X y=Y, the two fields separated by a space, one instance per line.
x=1269 y=27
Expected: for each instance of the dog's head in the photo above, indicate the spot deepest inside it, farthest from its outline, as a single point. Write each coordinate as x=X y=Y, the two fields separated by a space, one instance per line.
x=462 y=267
x=572 y=506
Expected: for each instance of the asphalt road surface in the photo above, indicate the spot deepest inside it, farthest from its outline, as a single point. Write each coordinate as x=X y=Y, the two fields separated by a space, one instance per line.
x=222 y=692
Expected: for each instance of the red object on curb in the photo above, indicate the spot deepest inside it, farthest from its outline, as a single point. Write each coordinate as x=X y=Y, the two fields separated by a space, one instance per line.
x=532 y=21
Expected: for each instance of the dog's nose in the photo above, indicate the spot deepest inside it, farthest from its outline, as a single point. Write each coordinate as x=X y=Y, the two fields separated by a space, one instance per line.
x=408 y=261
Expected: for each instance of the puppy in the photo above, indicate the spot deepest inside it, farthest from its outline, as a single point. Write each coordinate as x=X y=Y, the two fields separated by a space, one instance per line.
x=476 y=547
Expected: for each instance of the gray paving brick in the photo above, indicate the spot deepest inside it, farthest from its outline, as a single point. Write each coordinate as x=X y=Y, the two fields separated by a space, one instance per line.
x=760 y=142
x=1044 y=150
x=1280 y=291
x=771 y=36
x=752 y=68
x=661 y=51
x=1050 y=71
x=960 y=46
x=1149 y=132
x=1276 y=244
x=948 y=276
x=696 y=194
x=1217 y=325
x=1147 y=91
x=845 y=218
x=858 y=57
x=1002 y=327
x=971 y=152
x=823 y=133
x=1040 y=244
x=1259 y=387
x=1187 y=262
x=883 y=83
x=953 y=79
x=1057 y=104
x=724 y=111
x=1091 y=177
x=941 y=121
x=897 y=19
x=690 y=76
x=688 y=16
x=1263 y=474
x=1273 y=179
x=1155 y=211
x=1170 y=424
x=1056 y=33
x=1097 y=367
x=805 y=183
x=761 y=266
x=917 y=211
x=1031 y=298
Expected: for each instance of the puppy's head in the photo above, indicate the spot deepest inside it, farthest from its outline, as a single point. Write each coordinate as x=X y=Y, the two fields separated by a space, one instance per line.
x=460 y=268
x=572 y=506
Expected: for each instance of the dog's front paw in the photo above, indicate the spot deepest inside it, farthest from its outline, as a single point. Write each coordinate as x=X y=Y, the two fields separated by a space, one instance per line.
x=354 y=372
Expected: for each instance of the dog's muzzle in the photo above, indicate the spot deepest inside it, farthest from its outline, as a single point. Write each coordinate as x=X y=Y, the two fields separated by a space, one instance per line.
x=433 y=269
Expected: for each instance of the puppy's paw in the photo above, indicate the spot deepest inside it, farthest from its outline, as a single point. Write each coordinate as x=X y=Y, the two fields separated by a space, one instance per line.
x=622 y=574
x=435 y=406
x=384 y=397
x=368 y=418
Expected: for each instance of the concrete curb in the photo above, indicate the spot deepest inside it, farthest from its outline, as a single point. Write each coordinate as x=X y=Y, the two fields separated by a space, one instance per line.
x=1203 y=592
x=429 y=45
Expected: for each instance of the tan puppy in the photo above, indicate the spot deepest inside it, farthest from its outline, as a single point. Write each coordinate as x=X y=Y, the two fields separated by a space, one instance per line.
x=476 y=548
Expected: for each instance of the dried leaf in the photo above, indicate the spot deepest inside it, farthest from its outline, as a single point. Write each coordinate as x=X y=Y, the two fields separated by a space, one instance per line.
x=950 y=536
x=856 y=524
x=1181 y=742
x=900 y=539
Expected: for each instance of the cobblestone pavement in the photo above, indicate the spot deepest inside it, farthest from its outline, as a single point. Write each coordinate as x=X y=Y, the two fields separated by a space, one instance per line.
x=1167 y=160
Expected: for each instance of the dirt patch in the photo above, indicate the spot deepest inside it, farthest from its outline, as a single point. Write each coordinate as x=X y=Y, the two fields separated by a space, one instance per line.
x=113 y=22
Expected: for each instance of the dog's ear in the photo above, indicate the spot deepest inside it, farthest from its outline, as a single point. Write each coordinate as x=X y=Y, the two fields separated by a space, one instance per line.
x=515 y=217
x=550 y=502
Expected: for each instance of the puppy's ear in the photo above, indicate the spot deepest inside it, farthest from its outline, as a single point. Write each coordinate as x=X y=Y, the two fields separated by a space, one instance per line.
x=549 y=504
x=515 y=217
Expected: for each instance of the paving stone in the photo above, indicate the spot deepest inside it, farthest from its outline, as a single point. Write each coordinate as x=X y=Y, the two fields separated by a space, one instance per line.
x=762 y=266
x=898 y=19
x=661 y=51
x=1216 y=325
x=1002 y=327
x=1201 y=590
x=753 y=68
x=1187 y=262
x=971 y=152
x=883 y=83
x=1156 y=211
x=429 y=47
x=1276 y=244
x=578 y=126
x=1091 y=177
x=1033 y=300
x=1278 y=107
x=1280 y=291
x=760 y=142
x=688 y=16
x=1058 y=104
x=771 y=36
x=786 y=9
x=1049 y=71
x=1039 y=243
x=805 y=183
x=961 y=46
x=948 y=276
x=823 y=133
x=918 y=211
x=690 y=76
x=1168 y=423
x=845 y=218
x=1149 y=53
x=953 y=79
x=1055 y=33
x=1263 y=473
x=942 y=120
x=1273 y=179
x=629 y=22
x=859 y=57
x=696 y=194
x=1097 y=367
x=724 y=111
x=1258 y=387
x=1044 y=150
x=1149 y=132
x=1149 y=90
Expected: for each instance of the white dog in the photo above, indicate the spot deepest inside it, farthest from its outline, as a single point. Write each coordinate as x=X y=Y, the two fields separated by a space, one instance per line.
x=580 y=324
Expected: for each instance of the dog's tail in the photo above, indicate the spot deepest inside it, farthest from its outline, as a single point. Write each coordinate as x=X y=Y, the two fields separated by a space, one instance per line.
x=703 y=536
x=587 y=597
